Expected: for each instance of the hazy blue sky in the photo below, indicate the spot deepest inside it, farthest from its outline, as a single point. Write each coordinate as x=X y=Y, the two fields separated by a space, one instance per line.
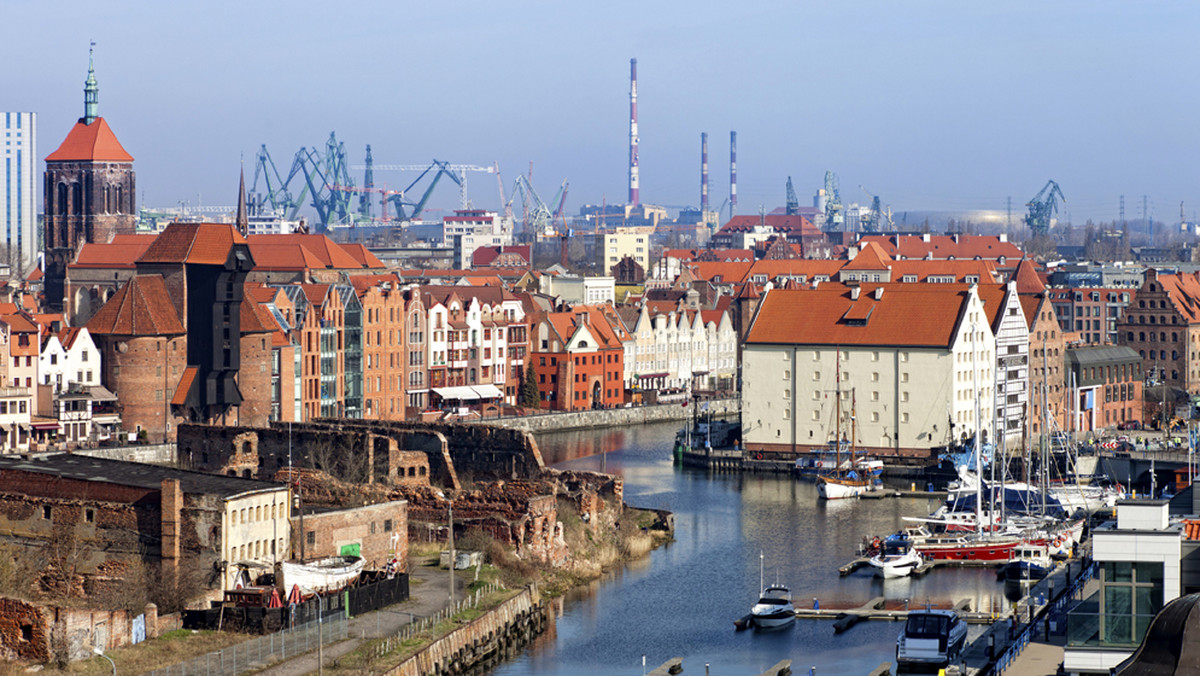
x=933 y=105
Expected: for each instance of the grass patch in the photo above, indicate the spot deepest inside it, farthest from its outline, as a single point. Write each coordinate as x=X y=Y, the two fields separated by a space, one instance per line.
x=172 y=647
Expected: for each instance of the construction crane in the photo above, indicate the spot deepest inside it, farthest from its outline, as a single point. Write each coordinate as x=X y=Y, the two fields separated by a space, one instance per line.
x=793 y=203
x=364 y=199
x=834 y=218
x=364 y=193
x=539 y=217
x=1042 y=209
x=879 y=219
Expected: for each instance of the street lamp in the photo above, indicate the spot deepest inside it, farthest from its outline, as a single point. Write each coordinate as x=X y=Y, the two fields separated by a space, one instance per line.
x=98 y=651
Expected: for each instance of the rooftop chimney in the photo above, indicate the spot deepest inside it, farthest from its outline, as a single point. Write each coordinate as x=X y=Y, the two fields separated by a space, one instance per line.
x=732 y=174
x=633 y=135
x=703 y=174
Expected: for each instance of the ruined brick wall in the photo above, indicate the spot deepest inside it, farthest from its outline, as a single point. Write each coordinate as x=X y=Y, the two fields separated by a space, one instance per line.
x=380 y=530
x=409 y=468
x=24 y=631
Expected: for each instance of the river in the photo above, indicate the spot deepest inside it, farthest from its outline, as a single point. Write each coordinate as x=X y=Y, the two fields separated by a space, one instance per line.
x=682 y=599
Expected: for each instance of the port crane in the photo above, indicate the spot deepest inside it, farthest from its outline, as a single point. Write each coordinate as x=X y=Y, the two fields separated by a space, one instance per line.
x=538 y=216
x=879 y=219
x=793 y=203
x=1042 y=209
x=834 y=218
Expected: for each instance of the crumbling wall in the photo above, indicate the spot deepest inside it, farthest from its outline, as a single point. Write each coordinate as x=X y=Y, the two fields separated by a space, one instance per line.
x=24 y=631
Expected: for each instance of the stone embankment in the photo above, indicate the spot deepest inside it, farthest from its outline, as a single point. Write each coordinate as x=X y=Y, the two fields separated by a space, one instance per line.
x=495 y=635
x=613 y=417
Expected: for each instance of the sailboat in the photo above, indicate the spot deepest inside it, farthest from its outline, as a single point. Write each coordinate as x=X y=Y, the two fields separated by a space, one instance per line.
x=841 y=483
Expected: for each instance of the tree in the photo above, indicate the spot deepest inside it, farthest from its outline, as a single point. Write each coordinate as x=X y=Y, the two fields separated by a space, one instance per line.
x=530 y=396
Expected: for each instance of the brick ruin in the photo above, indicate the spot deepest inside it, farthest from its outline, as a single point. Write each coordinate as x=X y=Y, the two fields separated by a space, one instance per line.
x=509 y=493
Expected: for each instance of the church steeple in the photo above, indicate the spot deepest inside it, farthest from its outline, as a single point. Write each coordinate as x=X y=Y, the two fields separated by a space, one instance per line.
x=242 y=221
x=91 y=91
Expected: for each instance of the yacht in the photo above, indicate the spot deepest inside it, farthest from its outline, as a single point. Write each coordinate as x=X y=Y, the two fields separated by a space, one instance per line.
x=931 y=638
x=1029 y=562
x=896 y=558
x=774 y=608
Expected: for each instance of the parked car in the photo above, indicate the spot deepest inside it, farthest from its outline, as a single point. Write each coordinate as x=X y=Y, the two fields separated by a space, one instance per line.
x=1129 y=425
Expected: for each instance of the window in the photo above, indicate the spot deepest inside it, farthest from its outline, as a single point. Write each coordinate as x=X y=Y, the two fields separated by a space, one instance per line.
x=310 y=537
x=816 y=375
x=387 y=525
x=47 y=511
x=89 y=515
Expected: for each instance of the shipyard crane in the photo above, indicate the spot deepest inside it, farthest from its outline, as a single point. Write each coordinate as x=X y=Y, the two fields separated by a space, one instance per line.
x=793 y=203
x=1042 y=209
x=539 y=218
x=879 y=219
x=834 y=218
x=277 y=195
x=457 y=172
x=364 y=193
x=364 y=199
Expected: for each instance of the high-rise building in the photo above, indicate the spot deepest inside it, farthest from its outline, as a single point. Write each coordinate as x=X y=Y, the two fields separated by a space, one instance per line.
x=89 y=192
x=18 y=192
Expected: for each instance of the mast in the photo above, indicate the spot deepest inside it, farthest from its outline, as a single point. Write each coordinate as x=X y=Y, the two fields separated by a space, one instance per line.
x=837 y=429
x=978 y=453
x=1044 y=482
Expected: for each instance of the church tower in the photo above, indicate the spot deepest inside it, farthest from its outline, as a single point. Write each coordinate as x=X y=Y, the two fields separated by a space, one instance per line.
x=89 y=191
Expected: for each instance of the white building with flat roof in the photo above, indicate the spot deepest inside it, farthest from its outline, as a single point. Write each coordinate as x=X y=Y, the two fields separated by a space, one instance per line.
x=19 y=191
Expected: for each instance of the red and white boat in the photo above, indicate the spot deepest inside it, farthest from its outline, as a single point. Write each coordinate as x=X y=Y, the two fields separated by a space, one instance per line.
x=964 y=547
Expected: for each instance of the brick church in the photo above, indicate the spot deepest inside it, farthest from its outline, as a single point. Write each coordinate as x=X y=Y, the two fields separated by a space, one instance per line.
x=89 y=192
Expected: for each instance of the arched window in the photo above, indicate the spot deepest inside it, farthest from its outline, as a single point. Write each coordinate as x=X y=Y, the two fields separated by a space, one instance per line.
x=1174 y=337
x=1174 y=375
x=1174 y=354
x=1162 y=355
x=1141 y=336
x=1162 y=337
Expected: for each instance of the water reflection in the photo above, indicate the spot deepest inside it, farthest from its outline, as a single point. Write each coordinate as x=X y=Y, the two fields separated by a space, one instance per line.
x=682 y=599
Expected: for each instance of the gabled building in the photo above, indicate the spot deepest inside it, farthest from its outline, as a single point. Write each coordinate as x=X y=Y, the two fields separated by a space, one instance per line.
x=1047 y=353
x=1162 y=323
x=69 y=357
x=902 y=356
x=327 y=327
x=578 y=358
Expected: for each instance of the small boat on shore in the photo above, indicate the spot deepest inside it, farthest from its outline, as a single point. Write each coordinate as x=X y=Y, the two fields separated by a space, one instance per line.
x=321 y=575
x=896 y=558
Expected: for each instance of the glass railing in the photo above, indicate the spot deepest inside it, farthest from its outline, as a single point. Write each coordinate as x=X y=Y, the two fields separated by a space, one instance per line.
x=1086 y=626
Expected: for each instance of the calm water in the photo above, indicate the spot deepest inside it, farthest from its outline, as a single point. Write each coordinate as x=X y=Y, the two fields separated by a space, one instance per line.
x=681 y=600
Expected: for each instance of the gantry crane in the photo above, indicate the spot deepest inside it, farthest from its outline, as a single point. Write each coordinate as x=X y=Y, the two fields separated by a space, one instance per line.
x=879 y=219
x=834 y=218
x=1042 y=209
x=793 y=203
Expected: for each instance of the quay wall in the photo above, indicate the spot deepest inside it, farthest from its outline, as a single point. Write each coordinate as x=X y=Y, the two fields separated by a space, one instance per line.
x=492 y=636
x=612 y=417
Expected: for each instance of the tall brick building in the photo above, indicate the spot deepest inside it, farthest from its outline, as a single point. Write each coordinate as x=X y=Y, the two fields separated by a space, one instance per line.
x=89 y=192
x=179 y=343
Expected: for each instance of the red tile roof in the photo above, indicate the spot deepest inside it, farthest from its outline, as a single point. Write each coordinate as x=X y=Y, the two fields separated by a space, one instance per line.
x=871 y=257
x=944 y=246
x=982 y=270
x=256 y=319
x=363 y=255
x=1027 y=278
x=283 y=257
x=142 y=307
x=793 y=225
x=186 y=382
x=197 y=243
x=326 y=250
x=1184 y=291
x=917 y=315
x=795 y=267
x=113 y=255
x=90 y=142
x=1191 y=529
x=485 y=255
x=35 y=276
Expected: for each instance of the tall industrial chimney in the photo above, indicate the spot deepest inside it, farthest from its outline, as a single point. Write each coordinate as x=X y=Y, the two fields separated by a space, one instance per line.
x=703 y=174
x=633 y=134
x=732 y=174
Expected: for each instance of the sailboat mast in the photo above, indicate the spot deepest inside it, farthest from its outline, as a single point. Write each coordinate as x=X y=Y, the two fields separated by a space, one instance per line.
x=1045 y=478
x=837 y=429
x=978 y=453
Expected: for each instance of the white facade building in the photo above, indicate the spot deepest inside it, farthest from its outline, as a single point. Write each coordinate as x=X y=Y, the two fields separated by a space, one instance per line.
x=469 y=229
x=69 y=356
x=19 y=180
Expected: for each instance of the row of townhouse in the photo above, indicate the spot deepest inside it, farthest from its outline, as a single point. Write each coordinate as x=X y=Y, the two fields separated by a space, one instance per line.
x=680 y=349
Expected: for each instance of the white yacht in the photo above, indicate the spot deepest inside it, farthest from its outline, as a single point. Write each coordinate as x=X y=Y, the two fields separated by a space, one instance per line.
x=931 y=638
x=774 y=608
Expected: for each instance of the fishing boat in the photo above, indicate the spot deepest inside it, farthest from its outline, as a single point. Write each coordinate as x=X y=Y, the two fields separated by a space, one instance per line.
x=321 y=575
x=1029 y=562
x=931 y=638
x=896 y=558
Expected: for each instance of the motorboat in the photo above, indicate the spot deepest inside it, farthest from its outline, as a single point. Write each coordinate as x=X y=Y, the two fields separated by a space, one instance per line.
x=774 y=608
x=896 y=558
x=1029 y=562
x=931 y=638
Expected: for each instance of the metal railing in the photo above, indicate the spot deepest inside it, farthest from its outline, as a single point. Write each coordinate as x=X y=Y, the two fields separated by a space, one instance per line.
x=262 y=651
x=411 y=629
x=1056 y=606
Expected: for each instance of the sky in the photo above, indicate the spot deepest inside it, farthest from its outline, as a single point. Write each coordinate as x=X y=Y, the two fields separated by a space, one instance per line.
x=933 y=105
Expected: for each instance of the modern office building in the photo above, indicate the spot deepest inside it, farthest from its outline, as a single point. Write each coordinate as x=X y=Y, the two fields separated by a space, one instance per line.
x=18 y=194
